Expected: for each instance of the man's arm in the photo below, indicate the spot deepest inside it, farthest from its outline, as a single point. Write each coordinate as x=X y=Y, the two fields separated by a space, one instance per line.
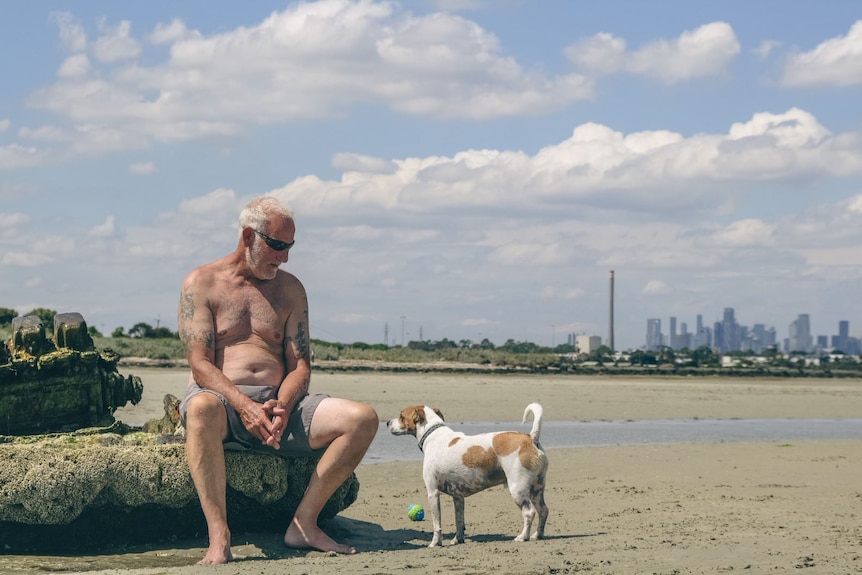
x=297 y=351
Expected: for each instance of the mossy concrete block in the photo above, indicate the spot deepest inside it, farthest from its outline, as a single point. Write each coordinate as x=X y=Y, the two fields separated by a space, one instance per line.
x=28 y=336
x=70 y=331
x=128 y=488
x=63 y=390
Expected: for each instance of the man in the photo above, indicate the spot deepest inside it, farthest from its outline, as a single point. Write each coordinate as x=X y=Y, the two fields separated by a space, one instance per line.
x=244 y=324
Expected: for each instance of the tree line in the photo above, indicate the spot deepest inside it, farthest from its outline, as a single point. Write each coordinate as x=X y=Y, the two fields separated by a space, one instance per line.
x=139 y=330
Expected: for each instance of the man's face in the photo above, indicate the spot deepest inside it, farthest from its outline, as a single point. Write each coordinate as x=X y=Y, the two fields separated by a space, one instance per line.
x=264 y=260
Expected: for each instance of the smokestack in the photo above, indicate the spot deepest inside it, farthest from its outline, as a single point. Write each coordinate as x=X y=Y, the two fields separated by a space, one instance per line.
x=611 y=318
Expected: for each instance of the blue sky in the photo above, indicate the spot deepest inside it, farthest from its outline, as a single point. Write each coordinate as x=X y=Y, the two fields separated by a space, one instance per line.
x=476 y=167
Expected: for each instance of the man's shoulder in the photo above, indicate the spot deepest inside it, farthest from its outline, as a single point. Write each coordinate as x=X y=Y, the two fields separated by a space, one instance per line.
x=288 y=280
x=208 y=272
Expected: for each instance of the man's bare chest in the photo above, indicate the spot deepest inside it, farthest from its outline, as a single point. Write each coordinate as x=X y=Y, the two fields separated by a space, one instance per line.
x=240 y=313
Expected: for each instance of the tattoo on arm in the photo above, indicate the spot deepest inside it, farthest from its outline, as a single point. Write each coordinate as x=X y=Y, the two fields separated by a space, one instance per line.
x=301 y=341
x=187 y=306
x=188 y=336
x=186 y=329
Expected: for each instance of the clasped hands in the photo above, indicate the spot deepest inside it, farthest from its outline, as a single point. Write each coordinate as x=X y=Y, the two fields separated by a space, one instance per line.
x=267 y=421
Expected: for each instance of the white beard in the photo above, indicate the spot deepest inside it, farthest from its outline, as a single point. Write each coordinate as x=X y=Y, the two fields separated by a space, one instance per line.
x=256 y=261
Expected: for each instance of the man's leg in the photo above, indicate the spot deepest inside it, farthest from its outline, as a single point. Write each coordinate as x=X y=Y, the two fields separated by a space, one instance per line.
x=347 y=427
x=206 y=427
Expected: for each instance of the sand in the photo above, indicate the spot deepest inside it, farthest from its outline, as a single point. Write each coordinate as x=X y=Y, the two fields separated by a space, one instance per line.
x=768 y=507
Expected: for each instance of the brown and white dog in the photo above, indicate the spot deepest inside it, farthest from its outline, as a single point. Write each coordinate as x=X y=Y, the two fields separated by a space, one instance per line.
x=461 y=465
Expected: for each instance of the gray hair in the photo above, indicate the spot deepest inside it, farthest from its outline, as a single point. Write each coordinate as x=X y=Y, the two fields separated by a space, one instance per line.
x=257 y=211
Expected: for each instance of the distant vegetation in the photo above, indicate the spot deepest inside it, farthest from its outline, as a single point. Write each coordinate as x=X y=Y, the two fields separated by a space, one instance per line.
x=159 y=343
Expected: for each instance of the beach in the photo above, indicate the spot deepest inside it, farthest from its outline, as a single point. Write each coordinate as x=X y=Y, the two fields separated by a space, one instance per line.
x=755 y=507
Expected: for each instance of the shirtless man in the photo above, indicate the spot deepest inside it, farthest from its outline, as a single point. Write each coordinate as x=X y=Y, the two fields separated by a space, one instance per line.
x=244 y=324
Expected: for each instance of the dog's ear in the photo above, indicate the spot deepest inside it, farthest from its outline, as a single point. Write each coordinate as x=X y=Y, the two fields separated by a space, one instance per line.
x=439 y=413
x=418 y=415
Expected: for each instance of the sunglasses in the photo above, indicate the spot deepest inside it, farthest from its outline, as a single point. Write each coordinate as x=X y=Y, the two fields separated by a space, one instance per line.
x=275 y=244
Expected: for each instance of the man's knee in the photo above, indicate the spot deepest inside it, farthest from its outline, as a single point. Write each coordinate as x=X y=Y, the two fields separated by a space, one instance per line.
x=204 y=409
x=335 y=417
x=366 y=418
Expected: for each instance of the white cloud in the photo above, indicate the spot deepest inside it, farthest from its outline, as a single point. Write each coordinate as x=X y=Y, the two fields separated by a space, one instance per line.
x=312 y=59
x=651 y=172
x=794 y=129
x=18 y=156
x=601 y=54
x=654 y=287
x=705 y=51
x=854 y=204
x=360 y=163
x=143 y=168
x=72 y=34
x=353 y=233
x=25 y=259
x=749 y=232
x=10 y=221
x=173 y=32
x=835 y=62
x=116 y=43
x=106 y=229
x=75 y=66
x=766 y=48
x=4 y=124
x=213 y=202
x=45 y=134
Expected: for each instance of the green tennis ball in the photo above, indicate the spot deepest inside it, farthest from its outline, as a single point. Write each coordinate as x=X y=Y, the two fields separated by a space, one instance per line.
x=415 y=512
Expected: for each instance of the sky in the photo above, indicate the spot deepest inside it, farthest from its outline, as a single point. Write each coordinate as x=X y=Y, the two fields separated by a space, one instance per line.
x=461 y=169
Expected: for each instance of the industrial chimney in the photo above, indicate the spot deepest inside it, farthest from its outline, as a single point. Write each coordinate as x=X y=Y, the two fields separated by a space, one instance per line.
x=611 y=318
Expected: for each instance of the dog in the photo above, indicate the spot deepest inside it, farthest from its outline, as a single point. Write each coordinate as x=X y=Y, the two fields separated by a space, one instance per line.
x=461 y=465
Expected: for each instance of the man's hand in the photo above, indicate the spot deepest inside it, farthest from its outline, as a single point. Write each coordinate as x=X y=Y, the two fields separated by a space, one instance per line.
x=265 y=421
x=278 y=417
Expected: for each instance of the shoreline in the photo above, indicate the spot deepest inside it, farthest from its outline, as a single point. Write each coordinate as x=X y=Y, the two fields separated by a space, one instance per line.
x=379 y=366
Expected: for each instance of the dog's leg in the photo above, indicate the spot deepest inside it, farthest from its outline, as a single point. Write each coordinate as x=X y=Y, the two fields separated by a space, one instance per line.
x=459 y=519
x=522 y=498
x=539 y=503
x=434 y=508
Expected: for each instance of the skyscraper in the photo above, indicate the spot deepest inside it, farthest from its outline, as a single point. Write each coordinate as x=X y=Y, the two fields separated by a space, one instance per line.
x=730 y=336
x=843 y=335
x=799 y=335
x=653 y=334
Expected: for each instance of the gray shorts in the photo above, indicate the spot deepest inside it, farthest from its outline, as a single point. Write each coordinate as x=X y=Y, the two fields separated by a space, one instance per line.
x=294 y=441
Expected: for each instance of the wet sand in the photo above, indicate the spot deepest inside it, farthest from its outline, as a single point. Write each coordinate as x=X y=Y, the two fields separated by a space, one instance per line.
x=775 y=507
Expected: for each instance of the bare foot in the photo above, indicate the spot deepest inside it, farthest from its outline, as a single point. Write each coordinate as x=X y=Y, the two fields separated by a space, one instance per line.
x=299 y=537
x=219 y=550
x=216 y=555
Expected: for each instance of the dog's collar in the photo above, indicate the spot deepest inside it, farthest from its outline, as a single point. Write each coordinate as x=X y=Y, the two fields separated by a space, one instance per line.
x=428 y=432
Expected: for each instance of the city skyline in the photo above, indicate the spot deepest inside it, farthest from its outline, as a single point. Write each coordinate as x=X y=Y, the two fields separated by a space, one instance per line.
x=728 y=334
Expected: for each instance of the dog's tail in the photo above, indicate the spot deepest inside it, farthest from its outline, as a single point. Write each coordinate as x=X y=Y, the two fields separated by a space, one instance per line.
x=536 y=410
